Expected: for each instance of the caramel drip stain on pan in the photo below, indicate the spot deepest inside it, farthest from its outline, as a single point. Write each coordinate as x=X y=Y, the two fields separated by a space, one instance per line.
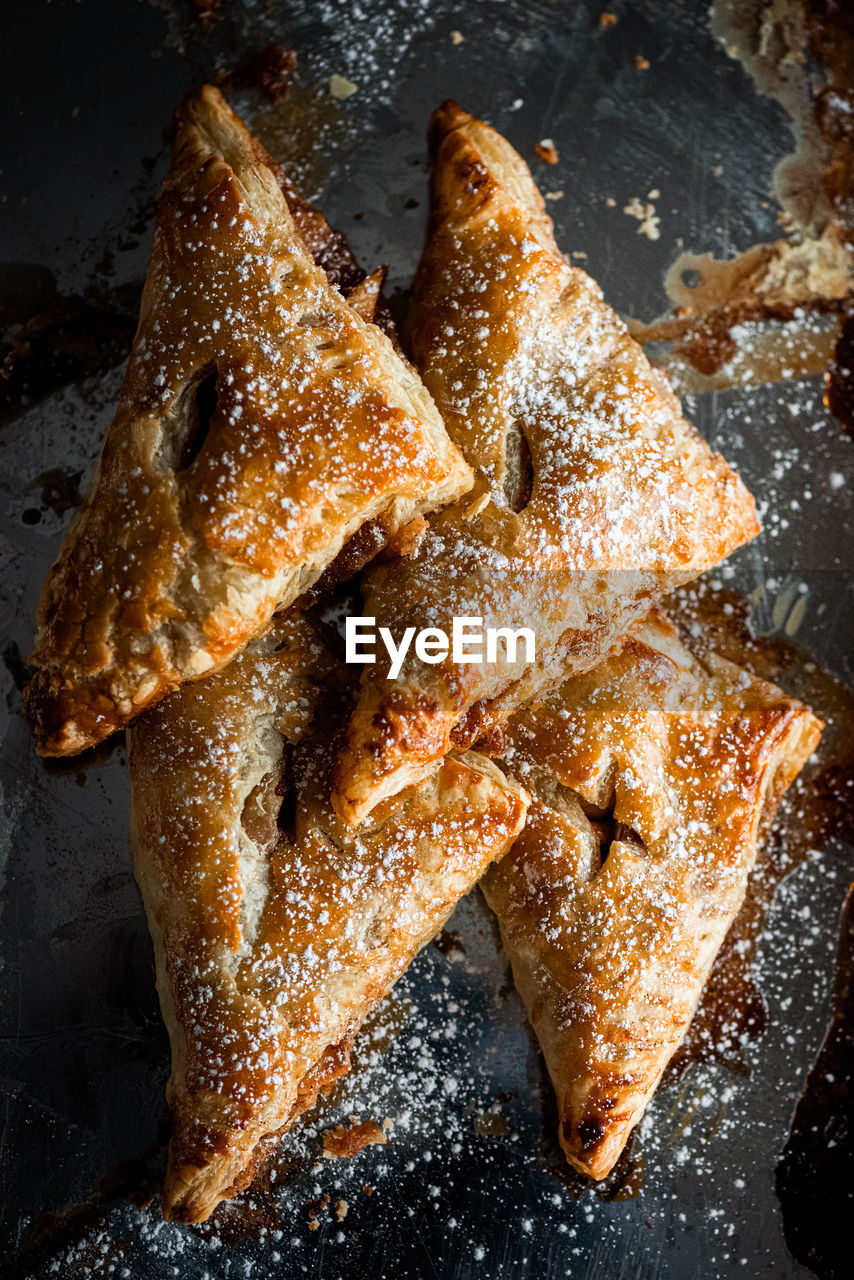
x=830 y=31
x=624 y=1182
x=839 y=392
x=787 y=292
x=64 y=341
x=816 y=809
x=269 y=71
x=815 y=1177
x=295 y=130
x=255 y=1213
x=793 y=326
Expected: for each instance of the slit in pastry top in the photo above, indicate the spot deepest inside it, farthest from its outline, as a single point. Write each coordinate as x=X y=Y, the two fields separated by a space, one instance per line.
x=652 y=779
x=262 y=422
x=593 y=495
x=276 y=929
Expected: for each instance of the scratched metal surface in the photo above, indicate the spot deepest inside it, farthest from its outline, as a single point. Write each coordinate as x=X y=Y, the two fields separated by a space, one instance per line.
x=87 y=93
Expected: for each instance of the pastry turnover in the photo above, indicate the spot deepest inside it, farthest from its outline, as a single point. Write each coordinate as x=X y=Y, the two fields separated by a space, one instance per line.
x=651 y=776
x=276 y=930
x=593 y=495
x=262 y=423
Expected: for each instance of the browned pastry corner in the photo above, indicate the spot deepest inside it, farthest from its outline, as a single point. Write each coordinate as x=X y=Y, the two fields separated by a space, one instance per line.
x=593 y=495
x=651 y=777
x=276 y=931
x=262 y=423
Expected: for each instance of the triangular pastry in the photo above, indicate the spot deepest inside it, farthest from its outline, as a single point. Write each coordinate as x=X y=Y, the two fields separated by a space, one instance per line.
x=593 y=494
x=262 y=423
x=651 y=776
x=276 y=930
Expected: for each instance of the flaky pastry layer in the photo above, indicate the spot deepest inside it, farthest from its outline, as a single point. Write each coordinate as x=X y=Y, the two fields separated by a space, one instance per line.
x=593 y=494
x=276 y=930
x=651 y=777
x=262 y=422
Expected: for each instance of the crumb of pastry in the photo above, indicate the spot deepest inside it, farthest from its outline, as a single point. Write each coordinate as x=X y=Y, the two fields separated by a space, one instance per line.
x=553 y=195
x=491 y=1124
x=457 y=37
x=315 y=1208
x=547 y=151
x=343 y=1143
x=340 y=87
x=647 y=217
x=341 y=1208
x=607 y=19
x=641 y=62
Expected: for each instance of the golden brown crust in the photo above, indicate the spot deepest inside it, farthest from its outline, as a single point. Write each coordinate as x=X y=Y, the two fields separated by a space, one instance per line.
x=666 y=766
x=187 y=543
x=276 y=931
x=533 y=374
